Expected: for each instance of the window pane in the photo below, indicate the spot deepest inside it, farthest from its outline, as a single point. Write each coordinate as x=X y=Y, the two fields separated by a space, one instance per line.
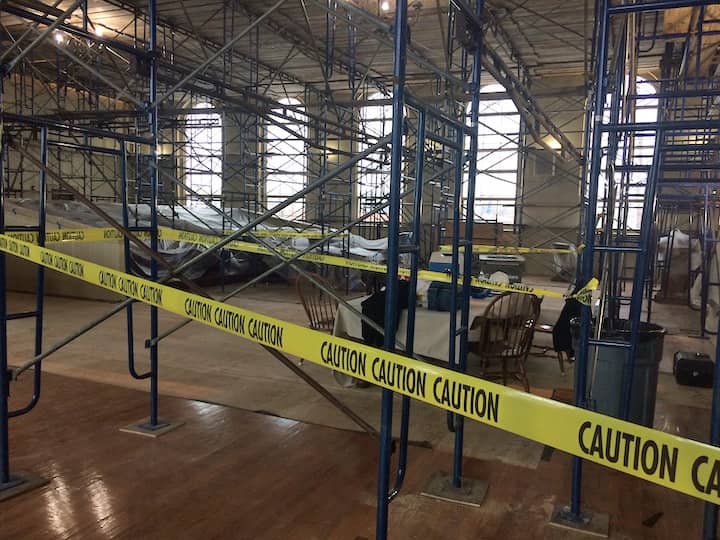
x=203 y=164
x=497 y=158
x=373 y=177
x=286 y=158
x=641 y=155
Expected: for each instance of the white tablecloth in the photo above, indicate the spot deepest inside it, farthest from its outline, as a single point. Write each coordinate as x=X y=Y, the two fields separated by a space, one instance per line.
x=432 y=328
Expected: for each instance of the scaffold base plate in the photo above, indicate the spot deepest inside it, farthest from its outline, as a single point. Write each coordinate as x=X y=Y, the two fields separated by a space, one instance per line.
x=143 y=427
x=21 y=482
x=587 y=524
x=440 y=486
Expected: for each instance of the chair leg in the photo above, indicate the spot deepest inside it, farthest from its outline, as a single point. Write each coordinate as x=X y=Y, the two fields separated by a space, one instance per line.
x=523 y=376
x=560 y=361
x=504 y=371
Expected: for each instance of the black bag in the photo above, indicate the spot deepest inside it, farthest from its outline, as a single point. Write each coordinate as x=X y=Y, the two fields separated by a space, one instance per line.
x=562 y=338
x=439 y=296
x=374 y=308
x=693 y=369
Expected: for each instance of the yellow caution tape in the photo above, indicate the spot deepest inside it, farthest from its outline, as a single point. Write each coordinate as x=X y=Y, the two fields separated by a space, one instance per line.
x=680 y=464
x=584 y=296
x=106 y=234
x=99 y=234
x=57 y=236
x=283 y=233
x=514 y=249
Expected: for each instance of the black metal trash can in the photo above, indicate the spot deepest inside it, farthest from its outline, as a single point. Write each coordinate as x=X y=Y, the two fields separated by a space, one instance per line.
x=606 y=377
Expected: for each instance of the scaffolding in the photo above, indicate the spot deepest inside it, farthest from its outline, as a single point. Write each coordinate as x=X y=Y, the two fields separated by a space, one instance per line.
x=144 y=114
x=649 y=146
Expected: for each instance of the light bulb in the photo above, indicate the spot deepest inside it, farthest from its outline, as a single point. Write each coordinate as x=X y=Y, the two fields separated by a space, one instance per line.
x=385 y=6
x=59 y=37
x=99 y=31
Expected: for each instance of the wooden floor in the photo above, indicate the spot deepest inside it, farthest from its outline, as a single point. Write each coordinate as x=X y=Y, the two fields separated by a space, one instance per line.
x=229 y=473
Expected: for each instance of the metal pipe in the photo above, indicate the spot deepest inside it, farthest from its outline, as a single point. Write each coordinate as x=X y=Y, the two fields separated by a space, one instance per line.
x=641 y=268
x=287 y=261
x=40 y=288
x=710 y=513
x=121 y=93
x=388 y=28
x=123 y=304
x=84 y=147
x=623 y=9
x=412 y=300
x=219 y=52
x=153 y=255
x=610 y=207
x=586 y=256
x=391 y=283
x=48 y=10
x=453 y=420
x=128 y=266
x=70 y=29
x=287 y=202
x=4 y=375
x=65 y=14
x=320 y=389
x=153 y=174
x=469 y=231
x=60 y=126
x=299 y=254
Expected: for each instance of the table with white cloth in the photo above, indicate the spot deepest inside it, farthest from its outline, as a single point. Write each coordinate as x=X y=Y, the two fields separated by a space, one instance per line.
x=432 y=328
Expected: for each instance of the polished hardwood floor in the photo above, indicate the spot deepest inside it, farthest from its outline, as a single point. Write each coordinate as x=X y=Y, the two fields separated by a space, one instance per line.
x=229 y=473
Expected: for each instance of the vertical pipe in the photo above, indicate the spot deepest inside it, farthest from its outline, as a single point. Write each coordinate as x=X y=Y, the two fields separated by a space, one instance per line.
x=610 y=283
x=455 y=421
x=469 y=226
x=4 y=376
x=40 y=290
x=710 y=517
x=705 y=268
x=641 y=267
x=128 y=262
x=126 y=250
x=153 y=121
x=412 y=297
x=586 y=259
x=391 y=291
x=40 y=287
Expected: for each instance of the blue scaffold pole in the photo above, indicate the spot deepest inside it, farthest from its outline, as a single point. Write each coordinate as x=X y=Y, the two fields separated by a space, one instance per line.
x=391 y=291
x=587 y=256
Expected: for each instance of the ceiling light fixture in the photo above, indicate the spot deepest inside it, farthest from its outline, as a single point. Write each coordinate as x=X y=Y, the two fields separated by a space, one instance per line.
x=59 y=37
x=99 y=31
x=385 y=6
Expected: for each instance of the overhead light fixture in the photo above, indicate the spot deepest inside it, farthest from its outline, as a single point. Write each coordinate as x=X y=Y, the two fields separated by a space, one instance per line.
x=59 y=38
x=99 y=31
x=385 y=6
x=552 y=142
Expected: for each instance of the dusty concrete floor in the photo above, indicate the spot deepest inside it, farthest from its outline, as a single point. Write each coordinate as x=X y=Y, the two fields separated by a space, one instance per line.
x=201 y=363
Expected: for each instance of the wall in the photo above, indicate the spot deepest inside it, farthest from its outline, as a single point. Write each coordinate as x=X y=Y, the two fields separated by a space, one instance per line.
x=550 y=192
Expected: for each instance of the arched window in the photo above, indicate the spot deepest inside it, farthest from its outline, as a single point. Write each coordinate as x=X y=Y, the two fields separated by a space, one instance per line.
x=286 y=157
x=497 y=157
x=633 y=159
x=203 y=154
x=373 y=179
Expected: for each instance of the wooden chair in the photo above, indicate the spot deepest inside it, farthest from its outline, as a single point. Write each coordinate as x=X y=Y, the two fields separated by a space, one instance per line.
x=509 y=323
x=320 y=307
